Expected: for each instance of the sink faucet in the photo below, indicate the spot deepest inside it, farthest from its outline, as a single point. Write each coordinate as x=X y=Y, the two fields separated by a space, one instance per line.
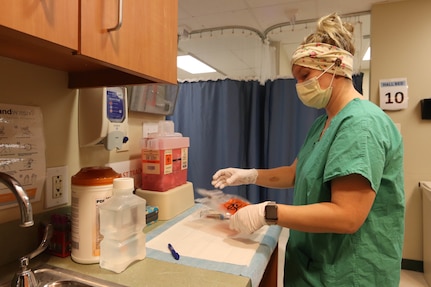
x=22 y=198
x=25 y=277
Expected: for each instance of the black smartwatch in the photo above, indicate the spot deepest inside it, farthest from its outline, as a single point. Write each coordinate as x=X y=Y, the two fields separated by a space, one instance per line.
x=271 y=213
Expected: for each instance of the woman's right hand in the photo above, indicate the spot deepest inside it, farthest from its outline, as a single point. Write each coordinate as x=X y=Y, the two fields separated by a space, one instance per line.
x=233 y=177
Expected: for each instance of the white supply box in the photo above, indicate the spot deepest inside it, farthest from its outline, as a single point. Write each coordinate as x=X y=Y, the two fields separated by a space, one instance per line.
x=171 y=202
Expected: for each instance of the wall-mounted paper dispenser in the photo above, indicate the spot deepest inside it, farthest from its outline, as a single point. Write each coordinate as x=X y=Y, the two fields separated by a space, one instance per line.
x=102 y=117
x=153 y=98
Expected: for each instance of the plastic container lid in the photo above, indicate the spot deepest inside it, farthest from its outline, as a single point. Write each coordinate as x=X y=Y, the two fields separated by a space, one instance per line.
x=165 y=143
x=95 y=175
x=123 y=184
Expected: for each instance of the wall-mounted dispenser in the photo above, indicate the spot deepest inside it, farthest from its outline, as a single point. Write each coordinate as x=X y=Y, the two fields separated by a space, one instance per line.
x=102 y=117
x=153 y=98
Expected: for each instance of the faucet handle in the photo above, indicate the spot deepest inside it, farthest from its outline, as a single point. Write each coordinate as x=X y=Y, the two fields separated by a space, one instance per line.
x=25 y=277
x=23 y=262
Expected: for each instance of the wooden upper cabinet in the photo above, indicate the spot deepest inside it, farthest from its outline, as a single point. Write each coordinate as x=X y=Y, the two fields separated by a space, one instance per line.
x=146 y=41
x=52 y=20
x=73 y=36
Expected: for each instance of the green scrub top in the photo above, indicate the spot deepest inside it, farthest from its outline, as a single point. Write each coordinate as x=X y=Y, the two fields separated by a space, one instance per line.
x=361 y=139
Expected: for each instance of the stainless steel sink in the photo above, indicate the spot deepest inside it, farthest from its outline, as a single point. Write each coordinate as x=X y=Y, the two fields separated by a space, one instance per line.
x=69 y=283
x=51 y=276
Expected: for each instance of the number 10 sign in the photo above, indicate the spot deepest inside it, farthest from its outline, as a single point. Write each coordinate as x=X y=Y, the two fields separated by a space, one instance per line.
x=394 y=94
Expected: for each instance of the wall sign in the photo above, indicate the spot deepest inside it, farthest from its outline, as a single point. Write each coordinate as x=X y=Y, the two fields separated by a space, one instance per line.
x=393 y=94
x=22 y=151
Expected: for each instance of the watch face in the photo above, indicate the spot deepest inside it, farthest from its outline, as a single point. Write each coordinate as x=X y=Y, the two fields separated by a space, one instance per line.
x=271 y=212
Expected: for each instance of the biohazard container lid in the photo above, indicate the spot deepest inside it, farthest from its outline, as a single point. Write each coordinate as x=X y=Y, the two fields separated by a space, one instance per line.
x=95 y=175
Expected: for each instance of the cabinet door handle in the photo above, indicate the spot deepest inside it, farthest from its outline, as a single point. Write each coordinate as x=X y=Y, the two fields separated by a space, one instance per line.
x=120 y=17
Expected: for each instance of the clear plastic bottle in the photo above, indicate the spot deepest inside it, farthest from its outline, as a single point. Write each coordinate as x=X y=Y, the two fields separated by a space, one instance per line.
x=122 y=219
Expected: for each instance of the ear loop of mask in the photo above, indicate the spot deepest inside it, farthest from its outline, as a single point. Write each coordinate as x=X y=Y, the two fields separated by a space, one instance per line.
x=337 y=64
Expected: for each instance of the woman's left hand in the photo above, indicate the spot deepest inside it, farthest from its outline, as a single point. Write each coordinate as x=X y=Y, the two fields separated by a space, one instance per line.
x=249 y=218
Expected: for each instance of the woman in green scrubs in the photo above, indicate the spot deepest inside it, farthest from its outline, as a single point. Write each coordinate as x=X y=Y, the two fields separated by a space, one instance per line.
x=347 y=219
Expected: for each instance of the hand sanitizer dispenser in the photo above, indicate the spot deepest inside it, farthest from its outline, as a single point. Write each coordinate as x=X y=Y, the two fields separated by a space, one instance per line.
x=102 y=117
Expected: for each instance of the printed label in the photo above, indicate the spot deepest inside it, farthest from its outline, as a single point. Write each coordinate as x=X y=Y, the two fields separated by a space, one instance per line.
x=151 y=161
x=168 y=161
x=184 y=158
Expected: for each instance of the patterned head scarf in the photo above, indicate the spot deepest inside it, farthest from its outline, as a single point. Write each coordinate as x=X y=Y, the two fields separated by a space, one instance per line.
x=321 y=56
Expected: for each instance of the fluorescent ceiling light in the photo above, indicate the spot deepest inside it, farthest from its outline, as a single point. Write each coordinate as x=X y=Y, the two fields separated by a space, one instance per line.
x=367 y=55
x=192 y=65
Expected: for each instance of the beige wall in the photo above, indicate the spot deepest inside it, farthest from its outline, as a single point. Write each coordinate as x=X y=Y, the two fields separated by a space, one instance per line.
x=26 y=84
x=400 y=47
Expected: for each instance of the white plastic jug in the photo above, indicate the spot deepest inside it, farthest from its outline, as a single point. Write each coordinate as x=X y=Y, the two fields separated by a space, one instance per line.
x=122 y=219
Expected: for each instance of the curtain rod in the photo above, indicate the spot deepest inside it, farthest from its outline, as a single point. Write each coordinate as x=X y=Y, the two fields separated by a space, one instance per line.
x=263 y=35
x=230 y=27
x=273 y=27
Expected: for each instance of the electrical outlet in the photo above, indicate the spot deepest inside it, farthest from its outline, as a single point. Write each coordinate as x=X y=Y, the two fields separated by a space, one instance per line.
x=56 y=186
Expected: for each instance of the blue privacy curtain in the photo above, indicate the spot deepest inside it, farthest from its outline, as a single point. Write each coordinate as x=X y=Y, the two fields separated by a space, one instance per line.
x=241 y=124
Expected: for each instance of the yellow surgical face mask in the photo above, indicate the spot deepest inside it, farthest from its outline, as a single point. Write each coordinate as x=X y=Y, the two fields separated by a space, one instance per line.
x=311 y=95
